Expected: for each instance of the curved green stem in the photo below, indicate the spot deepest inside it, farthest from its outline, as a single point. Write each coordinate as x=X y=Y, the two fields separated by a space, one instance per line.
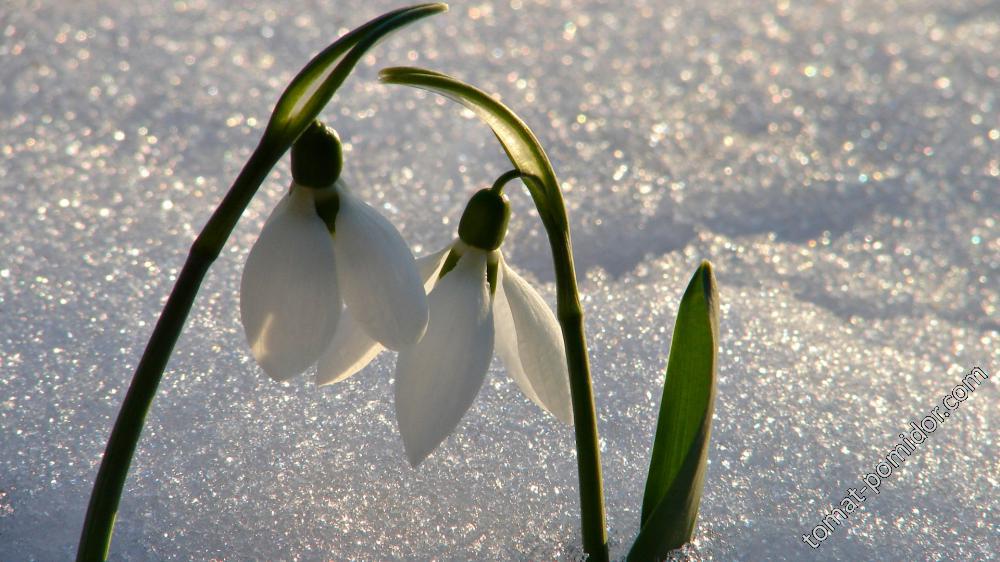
x=504 y=179
x=298 y=106
x=570 y=314
x=95 y=539
x=527 y=155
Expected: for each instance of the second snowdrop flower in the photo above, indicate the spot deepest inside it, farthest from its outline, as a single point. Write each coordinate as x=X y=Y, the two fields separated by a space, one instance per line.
x=323 y=248
x=478 y=305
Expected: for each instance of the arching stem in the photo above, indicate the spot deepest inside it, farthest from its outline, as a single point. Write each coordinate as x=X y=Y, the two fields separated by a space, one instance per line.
x=506 y=178
x=300 y=103
x=528 y=156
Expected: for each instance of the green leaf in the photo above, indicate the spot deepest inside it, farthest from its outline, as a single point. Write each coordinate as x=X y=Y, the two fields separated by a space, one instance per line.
x=520 y=144
x=683 y=429
x=316 y=83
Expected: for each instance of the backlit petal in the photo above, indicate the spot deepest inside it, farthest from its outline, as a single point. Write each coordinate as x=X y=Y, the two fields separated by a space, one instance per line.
x=437 y=379
x=506 y=342
x=377 y=275
x=530 y=344
x=289 y=303
x=430 y=265
x=351 y=348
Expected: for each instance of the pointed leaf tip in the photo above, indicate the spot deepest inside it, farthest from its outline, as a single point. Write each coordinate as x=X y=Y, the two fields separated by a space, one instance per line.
x=709 y=288
x=680 y=448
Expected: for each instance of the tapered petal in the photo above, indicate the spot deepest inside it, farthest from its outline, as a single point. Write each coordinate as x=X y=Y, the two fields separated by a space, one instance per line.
x=529 y=342
x=289 y=302
x=437 y=379
x=351 y=348
x=377 y=274
x=429 y=266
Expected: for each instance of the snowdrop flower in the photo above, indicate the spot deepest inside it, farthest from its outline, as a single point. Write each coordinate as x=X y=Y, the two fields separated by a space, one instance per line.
x=478 y=304
x=320 y=249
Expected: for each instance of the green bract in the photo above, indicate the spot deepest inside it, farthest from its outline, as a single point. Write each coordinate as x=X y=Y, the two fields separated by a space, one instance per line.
x=315 y=84
x=520 y=144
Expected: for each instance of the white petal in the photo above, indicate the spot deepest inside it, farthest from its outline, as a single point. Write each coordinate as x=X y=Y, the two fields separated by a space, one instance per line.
x=506 y=342
x=430 y=265
x=377 y=274
x=351 y=348
x=530 y=344
x=289 y=302
x=349 y=351
x=437 y=379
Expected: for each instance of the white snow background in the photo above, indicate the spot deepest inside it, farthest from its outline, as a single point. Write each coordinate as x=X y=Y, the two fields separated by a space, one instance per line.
x=838 y=162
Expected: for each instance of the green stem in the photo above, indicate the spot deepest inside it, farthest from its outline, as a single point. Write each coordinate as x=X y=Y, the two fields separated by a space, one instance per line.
x=588 y=452
x=507 y=176
x=95 y=540
x=570 y=314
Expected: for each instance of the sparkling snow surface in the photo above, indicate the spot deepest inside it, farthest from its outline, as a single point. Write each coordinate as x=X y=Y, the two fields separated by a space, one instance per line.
x=839 y=162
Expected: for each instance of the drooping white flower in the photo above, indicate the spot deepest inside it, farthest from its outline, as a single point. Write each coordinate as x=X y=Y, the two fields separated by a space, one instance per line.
x=477 y=305
x=322 y=249
x=289 y=299
x=437 y=379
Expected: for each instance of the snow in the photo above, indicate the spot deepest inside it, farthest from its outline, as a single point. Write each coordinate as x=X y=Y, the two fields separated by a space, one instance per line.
x=837 y=161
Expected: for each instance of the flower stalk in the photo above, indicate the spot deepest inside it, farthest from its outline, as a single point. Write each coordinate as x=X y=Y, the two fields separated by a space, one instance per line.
x=528 y=157
x=570 y=315
x=298 y=106
x=95 y=539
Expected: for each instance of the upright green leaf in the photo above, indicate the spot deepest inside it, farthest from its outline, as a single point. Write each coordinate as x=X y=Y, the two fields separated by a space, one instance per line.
x=683 y=428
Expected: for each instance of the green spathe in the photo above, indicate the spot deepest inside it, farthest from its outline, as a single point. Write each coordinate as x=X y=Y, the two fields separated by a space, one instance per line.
x=316 y=83
x=680 y=448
